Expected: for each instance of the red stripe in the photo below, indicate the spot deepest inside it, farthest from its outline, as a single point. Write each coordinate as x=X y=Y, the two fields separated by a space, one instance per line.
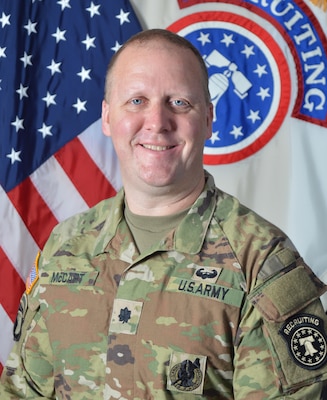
x=84 y=173
x=11 y=286
x=1 y=368
x=33 y=210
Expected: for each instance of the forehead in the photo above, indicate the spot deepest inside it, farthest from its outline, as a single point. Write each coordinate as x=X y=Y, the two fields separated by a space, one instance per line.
x=166 y=51
x=156 y=61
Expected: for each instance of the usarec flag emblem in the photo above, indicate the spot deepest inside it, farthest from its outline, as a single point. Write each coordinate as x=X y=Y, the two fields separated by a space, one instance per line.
x=256 y=53
x=33 y=276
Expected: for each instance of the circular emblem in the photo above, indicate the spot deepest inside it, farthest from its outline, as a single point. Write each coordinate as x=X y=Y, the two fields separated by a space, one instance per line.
x=308 y=347
x=186 y=376
x=249 y=82
x=306 y=340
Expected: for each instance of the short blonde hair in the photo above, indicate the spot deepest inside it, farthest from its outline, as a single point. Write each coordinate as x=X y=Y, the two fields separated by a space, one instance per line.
x=151 y=35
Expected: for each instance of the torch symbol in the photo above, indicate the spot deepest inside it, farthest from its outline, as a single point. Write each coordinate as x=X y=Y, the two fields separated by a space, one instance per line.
x=219 y=82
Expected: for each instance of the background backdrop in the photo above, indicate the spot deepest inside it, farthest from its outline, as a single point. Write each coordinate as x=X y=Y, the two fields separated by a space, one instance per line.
x=267 y=62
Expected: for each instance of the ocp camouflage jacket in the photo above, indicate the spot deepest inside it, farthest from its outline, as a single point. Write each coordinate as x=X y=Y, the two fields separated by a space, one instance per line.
x=221 y=308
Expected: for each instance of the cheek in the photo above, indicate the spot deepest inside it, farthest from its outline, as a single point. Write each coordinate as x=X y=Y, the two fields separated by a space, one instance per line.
x=123 y=130
x=126 y=124
x=197 y=132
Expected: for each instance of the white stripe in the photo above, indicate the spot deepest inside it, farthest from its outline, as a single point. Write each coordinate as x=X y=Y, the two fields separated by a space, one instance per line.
x=15 y=239
x=57 y=190
x=6 y=335
x=101 y=150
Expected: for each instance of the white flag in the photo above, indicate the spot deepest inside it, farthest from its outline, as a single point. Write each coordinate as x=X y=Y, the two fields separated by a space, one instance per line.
x=267 y=62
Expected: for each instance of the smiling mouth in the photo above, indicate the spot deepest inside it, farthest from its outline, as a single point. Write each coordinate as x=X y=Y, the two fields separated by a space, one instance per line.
x=156 y=148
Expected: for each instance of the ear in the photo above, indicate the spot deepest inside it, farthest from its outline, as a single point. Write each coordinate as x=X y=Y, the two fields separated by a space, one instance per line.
x=105 y=118
x=209 y=120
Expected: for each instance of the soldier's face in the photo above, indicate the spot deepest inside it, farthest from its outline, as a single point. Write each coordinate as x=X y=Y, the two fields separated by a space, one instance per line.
x=157 y=115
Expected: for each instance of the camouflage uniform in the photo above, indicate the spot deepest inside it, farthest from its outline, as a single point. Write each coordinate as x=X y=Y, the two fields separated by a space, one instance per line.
x=221 y=308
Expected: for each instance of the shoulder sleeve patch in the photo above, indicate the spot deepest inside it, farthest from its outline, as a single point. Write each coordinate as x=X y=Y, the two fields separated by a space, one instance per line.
x=33 y=276
x=306 y=340
x=294 y=323
x=292 y=291
x=279 y=298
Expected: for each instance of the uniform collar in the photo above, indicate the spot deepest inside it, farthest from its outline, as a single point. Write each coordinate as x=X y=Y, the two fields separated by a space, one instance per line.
x=115 y=211
x=188 y=236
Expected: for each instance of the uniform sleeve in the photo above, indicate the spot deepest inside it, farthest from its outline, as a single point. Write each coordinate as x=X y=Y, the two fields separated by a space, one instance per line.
x=281 y=351
x=28 y=373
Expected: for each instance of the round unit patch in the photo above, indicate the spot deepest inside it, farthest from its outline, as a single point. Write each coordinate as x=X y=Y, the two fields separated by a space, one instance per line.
x=306 y=340
x=249 y=82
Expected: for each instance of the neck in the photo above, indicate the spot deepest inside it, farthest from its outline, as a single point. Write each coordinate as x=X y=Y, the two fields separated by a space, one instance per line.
x=161 y=202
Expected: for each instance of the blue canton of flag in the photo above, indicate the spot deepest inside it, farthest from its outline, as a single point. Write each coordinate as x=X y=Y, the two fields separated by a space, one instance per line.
x=53 y=58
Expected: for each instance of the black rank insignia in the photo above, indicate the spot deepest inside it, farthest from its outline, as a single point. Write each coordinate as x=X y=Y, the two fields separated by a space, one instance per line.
x=306 y=339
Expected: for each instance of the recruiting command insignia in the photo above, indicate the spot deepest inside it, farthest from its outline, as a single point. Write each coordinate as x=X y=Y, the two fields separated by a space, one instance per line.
x=186 y=373
x=306 y=340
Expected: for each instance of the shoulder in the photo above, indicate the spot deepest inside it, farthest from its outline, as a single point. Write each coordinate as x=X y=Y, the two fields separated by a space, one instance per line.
x=233 y=216
x=83 y=222
x=252 y=238
x=237 y=219
x=80 y=230
x=255 y=242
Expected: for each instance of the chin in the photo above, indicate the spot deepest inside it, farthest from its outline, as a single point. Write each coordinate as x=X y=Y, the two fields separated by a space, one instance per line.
x=158 y=181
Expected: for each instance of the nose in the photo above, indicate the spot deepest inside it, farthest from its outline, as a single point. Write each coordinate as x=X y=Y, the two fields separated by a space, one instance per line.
x=158 y=118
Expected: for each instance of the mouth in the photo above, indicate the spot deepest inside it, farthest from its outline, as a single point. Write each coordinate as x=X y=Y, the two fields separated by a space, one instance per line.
x=156 y=148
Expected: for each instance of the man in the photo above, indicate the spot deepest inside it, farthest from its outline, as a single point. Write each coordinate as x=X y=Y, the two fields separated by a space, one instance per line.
x=172 y=289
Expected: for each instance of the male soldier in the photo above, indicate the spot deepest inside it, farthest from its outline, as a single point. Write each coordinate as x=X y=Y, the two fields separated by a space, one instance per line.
x=172 y=289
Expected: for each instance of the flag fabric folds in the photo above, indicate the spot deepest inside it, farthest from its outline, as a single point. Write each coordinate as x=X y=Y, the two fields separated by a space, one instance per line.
x=54 y=160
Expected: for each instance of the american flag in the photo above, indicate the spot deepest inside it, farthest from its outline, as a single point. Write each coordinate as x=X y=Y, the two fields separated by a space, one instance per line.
x=54 y=160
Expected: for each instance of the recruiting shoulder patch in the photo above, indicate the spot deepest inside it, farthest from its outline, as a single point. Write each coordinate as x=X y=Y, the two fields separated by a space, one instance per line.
x=33 y=276
x=306 y=339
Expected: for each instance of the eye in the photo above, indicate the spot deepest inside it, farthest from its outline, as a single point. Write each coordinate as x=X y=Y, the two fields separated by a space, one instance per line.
x=136 y=101
x=180 y=103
